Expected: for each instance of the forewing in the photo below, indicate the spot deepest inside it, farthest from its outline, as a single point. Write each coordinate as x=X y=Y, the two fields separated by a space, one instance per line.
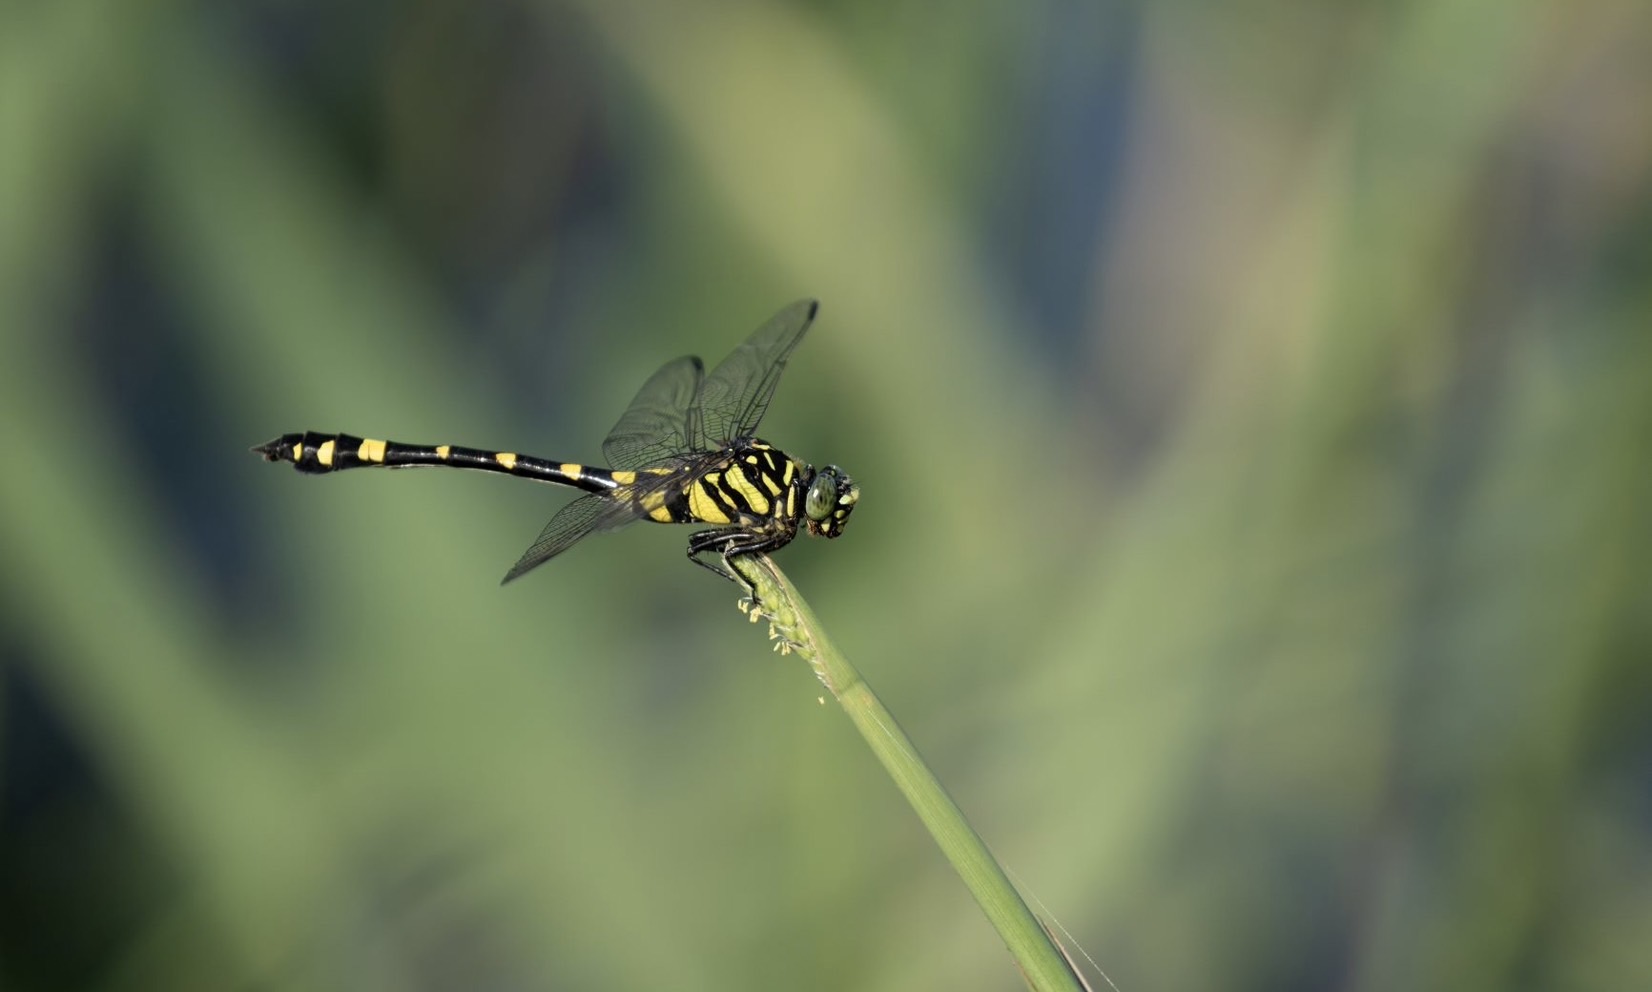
x=655 y=426
x=589 y=514
x=737 y=392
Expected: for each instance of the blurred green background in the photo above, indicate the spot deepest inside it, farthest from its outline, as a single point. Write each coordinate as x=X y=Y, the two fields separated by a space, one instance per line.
x=1253 y=409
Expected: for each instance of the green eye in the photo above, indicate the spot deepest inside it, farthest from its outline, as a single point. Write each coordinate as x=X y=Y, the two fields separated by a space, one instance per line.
x=829 y=501
x=822 y=496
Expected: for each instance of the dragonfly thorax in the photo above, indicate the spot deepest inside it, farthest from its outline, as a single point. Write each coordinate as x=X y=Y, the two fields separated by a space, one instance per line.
x=754 y=485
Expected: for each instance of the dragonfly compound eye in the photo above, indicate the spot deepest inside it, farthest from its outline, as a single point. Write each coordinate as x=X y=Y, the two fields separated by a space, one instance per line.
x=831 y=498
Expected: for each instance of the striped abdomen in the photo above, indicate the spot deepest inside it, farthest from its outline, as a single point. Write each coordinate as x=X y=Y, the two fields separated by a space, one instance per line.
x=317 y=454
x=749 y=485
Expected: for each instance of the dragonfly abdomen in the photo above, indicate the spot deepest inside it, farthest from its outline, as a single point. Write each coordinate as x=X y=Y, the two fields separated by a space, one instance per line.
x=317 y=454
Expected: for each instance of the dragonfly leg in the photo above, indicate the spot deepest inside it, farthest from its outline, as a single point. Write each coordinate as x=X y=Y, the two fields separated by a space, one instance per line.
x=728 y=544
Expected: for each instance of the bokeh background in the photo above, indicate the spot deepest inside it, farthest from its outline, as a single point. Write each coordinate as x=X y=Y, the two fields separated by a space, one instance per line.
x=1253 y=408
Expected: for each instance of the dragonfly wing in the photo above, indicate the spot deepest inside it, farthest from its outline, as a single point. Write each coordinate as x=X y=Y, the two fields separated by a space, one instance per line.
x=655 y=426
x=735 y=395
x=590 y=514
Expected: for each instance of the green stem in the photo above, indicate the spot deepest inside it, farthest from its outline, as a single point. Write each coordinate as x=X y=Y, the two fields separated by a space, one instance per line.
x=792 y=623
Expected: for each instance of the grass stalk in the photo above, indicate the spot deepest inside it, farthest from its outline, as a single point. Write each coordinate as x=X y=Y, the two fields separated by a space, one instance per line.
x=797 y=630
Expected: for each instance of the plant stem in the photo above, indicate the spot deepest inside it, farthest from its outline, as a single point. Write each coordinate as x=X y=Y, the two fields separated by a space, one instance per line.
x=797 y=629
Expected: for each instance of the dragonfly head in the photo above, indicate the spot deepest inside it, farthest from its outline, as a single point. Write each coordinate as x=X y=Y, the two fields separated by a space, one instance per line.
x=830 y=500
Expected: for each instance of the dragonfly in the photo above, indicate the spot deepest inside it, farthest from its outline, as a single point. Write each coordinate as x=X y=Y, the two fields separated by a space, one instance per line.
x=685 y=451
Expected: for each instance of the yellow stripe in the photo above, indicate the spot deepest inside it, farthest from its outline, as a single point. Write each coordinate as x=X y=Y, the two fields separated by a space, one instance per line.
x=768 y=481
x=443 y=450
x=298 y=452
x=754 y=497
x=624 y=478
x=703 y=506
x=324 y=454
x=506 y=459
x=371 y=451
x=654 y=504
x=791 y=503
x=571 y=468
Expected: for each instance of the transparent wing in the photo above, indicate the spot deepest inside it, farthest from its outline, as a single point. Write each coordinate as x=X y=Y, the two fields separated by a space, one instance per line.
x=654 y=428
x=590 y=514
x=735 y=395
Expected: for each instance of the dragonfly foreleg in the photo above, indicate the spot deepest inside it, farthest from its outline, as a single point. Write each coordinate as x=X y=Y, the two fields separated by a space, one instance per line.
x=727 y=544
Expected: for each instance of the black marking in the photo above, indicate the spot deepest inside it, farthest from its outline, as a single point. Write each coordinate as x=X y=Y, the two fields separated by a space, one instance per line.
x=737 y=501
